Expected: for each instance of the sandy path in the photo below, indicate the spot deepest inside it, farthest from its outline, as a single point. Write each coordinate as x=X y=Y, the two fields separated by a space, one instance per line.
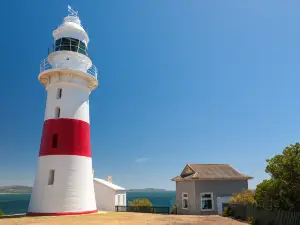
x=122 y=219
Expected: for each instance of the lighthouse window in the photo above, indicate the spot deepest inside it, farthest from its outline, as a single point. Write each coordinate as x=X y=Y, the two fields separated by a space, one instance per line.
x=58 y=94
x=57 y=42
x=54 y=140
x=70 y=44
x=74 y=41
x=57 y=112
x=51 y=177
x=65 y=44
x=65 y=41
x=74 y=45
x=82 y=48
x=74 y=48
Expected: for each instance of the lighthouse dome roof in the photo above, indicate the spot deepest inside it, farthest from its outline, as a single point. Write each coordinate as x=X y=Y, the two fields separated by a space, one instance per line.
x=71 y=27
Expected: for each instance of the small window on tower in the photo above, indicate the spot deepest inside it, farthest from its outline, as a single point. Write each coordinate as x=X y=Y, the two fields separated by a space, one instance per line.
x=59 y=92
x=57 y=112
x=51 y=177
x=54 y=140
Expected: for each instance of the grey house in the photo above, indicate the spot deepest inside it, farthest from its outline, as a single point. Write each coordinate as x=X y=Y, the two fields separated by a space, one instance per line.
x=202 y=188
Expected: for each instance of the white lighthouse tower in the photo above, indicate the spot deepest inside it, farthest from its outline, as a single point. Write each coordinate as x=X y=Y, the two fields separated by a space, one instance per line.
x=64 y=180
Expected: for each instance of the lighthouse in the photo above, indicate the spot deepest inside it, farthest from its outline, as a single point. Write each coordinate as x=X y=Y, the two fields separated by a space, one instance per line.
x=64 y=179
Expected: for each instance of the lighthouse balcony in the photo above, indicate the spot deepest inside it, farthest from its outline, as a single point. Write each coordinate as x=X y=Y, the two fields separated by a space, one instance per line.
x=46 y=65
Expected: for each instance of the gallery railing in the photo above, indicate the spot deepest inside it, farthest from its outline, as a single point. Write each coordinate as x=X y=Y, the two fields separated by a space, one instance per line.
x=45 y=65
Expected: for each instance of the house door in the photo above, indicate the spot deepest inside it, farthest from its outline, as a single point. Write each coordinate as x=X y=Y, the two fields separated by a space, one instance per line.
x=220 y=201
x=119 y=199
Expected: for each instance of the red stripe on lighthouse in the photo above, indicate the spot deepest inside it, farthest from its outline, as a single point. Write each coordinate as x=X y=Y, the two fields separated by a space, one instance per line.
x=65 y=137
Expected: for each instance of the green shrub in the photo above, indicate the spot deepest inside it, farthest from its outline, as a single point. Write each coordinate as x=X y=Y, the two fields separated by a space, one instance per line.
x=140 y=202
x=140 y=205
x=246 y=197
x=227 y=212
x=252 y=220
x=1 y=213
x=174 y=209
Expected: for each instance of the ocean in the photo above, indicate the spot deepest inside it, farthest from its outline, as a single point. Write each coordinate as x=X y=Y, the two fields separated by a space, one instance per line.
x=18 y=203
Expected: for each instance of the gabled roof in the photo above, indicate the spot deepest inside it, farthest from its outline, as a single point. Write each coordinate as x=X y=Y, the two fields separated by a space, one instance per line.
x=210 y=172
x=109 y=184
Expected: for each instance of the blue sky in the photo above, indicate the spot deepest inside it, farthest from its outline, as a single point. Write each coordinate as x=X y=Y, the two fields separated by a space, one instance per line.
x=180 y=82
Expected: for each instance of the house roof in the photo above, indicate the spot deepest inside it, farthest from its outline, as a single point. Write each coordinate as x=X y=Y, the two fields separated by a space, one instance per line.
x=210 y=172
x=109 y=184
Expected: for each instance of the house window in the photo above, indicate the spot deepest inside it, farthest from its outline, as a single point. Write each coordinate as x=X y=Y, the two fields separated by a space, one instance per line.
x=207 y=202
x=58 y=94
x=57 y=112
x=54 y=140
x=184 y=198
x=51 y=177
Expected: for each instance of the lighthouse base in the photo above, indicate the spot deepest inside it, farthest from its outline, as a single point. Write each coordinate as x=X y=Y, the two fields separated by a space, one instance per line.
x=63 y=186
x=61 y=214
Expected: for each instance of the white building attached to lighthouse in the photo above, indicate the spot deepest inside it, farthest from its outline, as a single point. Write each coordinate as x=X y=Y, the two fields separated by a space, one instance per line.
x=64 y=180
x=109 y=195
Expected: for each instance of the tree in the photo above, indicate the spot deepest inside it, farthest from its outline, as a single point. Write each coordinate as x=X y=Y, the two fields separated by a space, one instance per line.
x=1 y=213
x=284 y=186
x=267 y=194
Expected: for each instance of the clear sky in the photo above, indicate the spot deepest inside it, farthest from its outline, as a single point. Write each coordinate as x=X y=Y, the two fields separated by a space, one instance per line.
x=180 y=82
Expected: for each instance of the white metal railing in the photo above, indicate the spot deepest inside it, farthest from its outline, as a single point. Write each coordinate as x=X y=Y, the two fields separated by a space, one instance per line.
x=45 y=65
x=93 y=71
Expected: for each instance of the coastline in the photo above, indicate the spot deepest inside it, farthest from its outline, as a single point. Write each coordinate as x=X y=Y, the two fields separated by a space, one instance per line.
x=16 y=203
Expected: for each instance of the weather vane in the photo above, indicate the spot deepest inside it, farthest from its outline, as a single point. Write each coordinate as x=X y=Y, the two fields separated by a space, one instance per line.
x=72 y=12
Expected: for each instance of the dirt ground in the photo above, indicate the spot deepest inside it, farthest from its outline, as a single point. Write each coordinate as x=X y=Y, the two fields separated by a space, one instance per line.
x=120 y=219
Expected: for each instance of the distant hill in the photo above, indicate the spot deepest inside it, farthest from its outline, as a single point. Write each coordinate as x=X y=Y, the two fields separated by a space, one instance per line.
x=15 y=189
x=147 y=190
x=27 y=189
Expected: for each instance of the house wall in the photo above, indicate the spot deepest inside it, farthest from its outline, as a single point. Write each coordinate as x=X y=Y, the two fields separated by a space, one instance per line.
x=105 y=197
x=189 y=188
x=219 y=188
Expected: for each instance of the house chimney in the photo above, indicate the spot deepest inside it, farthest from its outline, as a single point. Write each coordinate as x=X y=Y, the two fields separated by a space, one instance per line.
x=109 y=179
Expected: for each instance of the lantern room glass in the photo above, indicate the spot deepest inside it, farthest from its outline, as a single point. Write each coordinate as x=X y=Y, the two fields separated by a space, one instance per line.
x=70 y=44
